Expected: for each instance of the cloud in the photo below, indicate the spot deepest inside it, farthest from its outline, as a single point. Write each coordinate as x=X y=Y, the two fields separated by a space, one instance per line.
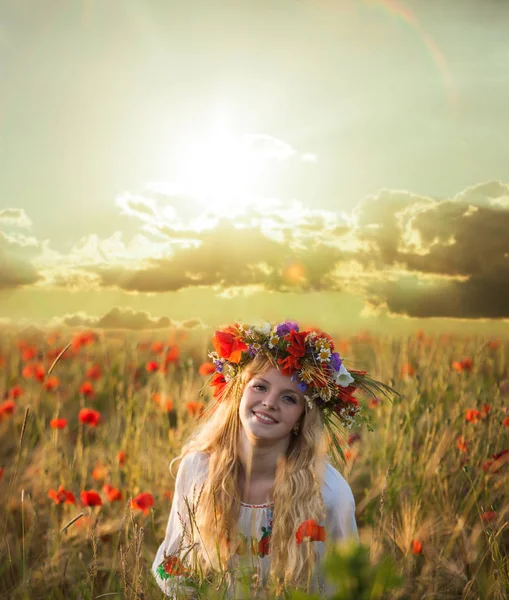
x=455 y=252
x=116 y=318
x=15 y=270
x=16 y=217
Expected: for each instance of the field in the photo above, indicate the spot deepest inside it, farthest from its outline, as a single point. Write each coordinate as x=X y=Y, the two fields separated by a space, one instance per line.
x=430 y=480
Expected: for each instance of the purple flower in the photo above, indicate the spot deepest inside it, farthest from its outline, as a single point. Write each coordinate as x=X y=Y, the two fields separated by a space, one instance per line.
x=219 y=366
x=285 y=327
x=302 y=386
x=336 y=361
x=252 y=351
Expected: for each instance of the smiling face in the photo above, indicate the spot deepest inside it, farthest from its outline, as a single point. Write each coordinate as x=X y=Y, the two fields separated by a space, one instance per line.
x=271 y=405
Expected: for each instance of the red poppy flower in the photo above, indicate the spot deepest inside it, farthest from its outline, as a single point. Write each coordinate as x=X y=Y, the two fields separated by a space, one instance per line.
x=157 y=347
x=143 y=502
x=310 y=531
x=91 y=498
x=195 y=408
x=374 y=403
x=112 y=493
x=62 y=496
x=289 y=364
x=94 y=372
x=264 y=545
x=485 y=409
x=228 y=346
x=218 y=382
x=494 y=344
x=297 y=341
x=7 y=408
x=15 y=392
x=58 y=423
x=488 y=516
x=462 y=444
x=172 y=355
x=121 y=458
x=1 y=473
x=152 y=366
x=89 y=416
x=85 y=338
x=505 y=422
x=99 y=472
x=87 y=389
x=28 y=353
x=207 y=368
x=472 y=415
x=407 y=370
x=416 y=547
x=51 y=384
x=173 y=566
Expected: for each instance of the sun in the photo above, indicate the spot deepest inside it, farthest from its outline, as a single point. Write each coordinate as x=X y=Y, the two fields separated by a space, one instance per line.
x=220 y=169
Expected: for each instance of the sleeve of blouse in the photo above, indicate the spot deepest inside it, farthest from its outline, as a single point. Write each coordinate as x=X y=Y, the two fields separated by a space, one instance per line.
x=169 y=571
x=339 y=505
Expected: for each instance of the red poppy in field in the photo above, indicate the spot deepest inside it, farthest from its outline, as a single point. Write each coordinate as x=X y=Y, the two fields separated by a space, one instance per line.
x=207 y=368
x=416 y=547
x=62 y=496
x=85 y=338
x=15 y=392
x=28 y=353
x=91 y=498
x=157 y=348
x=94 y=372
x=113 y=493
x=407 y=370
x=164 y=401
x=488 y=516
x=374 y=403
x=89 y=416
x=462 y=365
x=121 y=458
x=143 y=502
x=34 y=370
x=310 y=531
x=485 y=409
x=497 y=461
x=58 y=423
x=53 y=338
x=472 y=415
x=218 y=382
x=7 y=408
x=494 y=344
x=462 y=444
x=168 y=494
x=1 y=473
x=505 y=422
x=152 y=366
x=87 y=389
x=51 y=384
x=195 y=409
x=100 y=472
x=172 y=355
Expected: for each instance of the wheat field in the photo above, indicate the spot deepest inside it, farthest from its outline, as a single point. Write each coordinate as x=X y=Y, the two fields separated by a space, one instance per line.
x=89 y=422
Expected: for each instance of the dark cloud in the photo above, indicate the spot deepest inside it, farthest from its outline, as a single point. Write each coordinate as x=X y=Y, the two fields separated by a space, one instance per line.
x=118 y=318
x=463 y=242
x=15 y=270
x=226 y=257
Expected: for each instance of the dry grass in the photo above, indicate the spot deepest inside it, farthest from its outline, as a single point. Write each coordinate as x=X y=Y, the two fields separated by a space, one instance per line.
x=412 y=481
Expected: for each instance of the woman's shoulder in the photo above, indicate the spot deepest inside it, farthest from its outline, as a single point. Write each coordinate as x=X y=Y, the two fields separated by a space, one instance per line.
x=335 y=487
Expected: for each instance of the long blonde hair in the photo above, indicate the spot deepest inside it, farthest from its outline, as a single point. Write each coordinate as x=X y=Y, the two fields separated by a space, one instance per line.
x=296 y=494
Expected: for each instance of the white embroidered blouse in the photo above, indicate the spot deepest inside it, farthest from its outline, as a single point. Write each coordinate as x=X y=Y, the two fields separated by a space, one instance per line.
x=255 y=520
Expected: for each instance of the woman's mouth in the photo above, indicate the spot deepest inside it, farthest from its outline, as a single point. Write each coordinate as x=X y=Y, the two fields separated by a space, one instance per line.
x=263 y=418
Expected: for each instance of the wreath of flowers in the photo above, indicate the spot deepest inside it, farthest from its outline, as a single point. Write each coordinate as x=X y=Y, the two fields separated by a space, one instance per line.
x=308 y=357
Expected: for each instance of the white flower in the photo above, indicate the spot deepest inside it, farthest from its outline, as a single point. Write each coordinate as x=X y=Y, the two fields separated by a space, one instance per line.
x=265 y=328
x=343 y=377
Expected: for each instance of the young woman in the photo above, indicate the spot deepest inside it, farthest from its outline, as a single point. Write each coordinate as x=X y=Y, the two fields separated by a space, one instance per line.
x=255 y=492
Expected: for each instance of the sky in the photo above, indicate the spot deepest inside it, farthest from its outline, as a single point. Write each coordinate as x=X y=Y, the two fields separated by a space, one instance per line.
x=341 y=162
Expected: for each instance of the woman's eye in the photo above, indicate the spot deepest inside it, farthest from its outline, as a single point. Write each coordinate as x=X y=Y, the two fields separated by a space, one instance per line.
x=290 y=399
x=259 y=386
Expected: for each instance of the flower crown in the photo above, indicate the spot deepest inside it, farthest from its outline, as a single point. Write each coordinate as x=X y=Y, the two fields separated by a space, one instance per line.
x=308 y=357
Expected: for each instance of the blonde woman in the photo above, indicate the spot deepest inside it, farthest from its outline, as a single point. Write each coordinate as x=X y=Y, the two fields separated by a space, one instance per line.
x=255 y=491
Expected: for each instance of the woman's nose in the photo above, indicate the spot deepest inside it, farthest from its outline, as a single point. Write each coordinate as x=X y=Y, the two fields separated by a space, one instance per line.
x=271 y=400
